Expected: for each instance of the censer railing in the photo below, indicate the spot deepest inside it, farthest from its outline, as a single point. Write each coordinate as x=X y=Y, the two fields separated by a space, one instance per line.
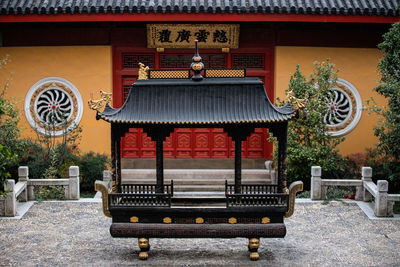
x=255 y=195
x=252 y=188
x=142 y=195
x=147 y=188
x=139 y=200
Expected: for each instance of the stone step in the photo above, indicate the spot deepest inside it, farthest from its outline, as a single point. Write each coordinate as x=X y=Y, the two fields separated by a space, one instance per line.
x=130 y=175
x=199 y=195
x=197 y=186
x=208 y=181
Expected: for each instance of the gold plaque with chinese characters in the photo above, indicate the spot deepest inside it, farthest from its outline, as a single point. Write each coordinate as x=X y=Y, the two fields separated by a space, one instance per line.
x=183 y=35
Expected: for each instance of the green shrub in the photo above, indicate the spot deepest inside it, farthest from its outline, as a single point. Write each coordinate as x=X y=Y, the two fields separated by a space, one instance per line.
x=92 y=166
x=388 y=127
x=9 y=131
x=304 y=194
x=334 y=193
x=309 y=144
x=5 y=156
x=56 y=163
x=50 y=193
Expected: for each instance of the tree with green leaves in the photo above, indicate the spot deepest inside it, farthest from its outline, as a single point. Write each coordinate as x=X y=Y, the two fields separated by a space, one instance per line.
x=9 y=131
x=388 y=127
x=309 y=143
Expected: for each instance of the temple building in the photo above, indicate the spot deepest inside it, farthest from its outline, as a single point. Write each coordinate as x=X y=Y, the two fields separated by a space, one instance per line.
x=62 y=53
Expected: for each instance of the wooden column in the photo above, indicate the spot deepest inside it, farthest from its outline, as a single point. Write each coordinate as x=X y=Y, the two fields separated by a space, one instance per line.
x=160 y=165
x=158 y=134
x=282 y=150
x=118 y=154
x=113 y=157
x=238 y=165
x=239 y=133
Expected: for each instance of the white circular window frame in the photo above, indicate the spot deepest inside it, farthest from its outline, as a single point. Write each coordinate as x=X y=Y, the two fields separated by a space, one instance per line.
x=35 y=87
x=358 y=108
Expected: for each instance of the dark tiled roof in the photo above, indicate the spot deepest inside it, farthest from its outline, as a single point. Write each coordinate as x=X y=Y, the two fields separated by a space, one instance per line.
x=335 y=7
x=210 y=101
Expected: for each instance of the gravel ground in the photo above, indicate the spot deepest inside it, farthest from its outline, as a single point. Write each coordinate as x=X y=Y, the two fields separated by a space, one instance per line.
x=77 y=234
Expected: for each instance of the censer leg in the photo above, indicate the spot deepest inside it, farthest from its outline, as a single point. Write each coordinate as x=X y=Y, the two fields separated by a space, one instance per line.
x=144 y=248
x=254 y=244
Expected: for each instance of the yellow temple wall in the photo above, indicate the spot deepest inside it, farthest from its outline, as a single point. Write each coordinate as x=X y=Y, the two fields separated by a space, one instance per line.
x=88 y=68
x=356 y=65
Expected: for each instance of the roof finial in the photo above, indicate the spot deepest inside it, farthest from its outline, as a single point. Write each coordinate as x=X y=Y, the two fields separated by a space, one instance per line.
x=197 y=66
x=142 y=71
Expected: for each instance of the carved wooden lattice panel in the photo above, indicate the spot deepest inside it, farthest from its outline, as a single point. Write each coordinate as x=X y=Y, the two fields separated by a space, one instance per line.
x=201 y=144
x=220 y=144
x=183 y=61
x=255 y=143
x=183 y=143
x=127 y=84
x=148 y=146
x=131 y=144
x=248 y=61
x=169 y=150
x=131 y=61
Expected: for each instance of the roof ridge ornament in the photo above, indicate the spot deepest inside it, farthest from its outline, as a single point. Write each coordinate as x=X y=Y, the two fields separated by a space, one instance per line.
x=99 y=104
x=296 y=103
x=143 y=71
x=197 y=66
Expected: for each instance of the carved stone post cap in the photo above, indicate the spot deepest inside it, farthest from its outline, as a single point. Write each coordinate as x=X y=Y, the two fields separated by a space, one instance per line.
x=10 y=185
x=366 y=172
x=268 y=165
x=383 y=185
x=23 y=171
x=316 y=171
x=73 y=171
x=106 y=175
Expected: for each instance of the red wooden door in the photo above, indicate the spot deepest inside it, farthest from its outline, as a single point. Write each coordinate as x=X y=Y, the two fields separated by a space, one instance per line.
x=196 y=142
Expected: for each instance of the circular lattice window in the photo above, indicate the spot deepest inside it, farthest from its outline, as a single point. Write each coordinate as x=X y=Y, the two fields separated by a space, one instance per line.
x=344 y=109
x=53 y=106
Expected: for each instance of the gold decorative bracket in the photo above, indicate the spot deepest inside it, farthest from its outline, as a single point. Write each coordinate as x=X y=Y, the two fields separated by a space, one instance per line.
x=99 y=104
x=143 y=72
x=294 y=188
x=295 y=102
x=101 y=187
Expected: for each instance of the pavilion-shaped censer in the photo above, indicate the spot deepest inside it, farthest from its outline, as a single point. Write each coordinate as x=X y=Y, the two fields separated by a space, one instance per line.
x=162 y=100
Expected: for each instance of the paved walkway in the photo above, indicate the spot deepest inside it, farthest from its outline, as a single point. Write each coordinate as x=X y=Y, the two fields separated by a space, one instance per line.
x=77 y=234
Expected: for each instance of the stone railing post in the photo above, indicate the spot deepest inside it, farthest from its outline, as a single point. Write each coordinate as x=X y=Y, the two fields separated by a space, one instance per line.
x=11 y=202
x=271 y=172
x=381 y=201
x=107 y=178
x=73 y=186
x=366 y=176
x=316 y=183
x=23 y=176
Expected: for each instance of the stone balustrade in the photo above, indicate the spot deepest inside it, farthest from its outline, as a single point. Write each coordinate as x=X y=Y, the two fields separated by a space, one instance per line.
x=365 y=190
x=24 y=189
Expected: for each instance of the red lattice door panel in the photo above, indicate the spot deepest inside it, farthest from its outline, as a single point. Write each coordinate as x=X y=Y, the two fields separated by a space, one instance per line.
x=193 y=143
